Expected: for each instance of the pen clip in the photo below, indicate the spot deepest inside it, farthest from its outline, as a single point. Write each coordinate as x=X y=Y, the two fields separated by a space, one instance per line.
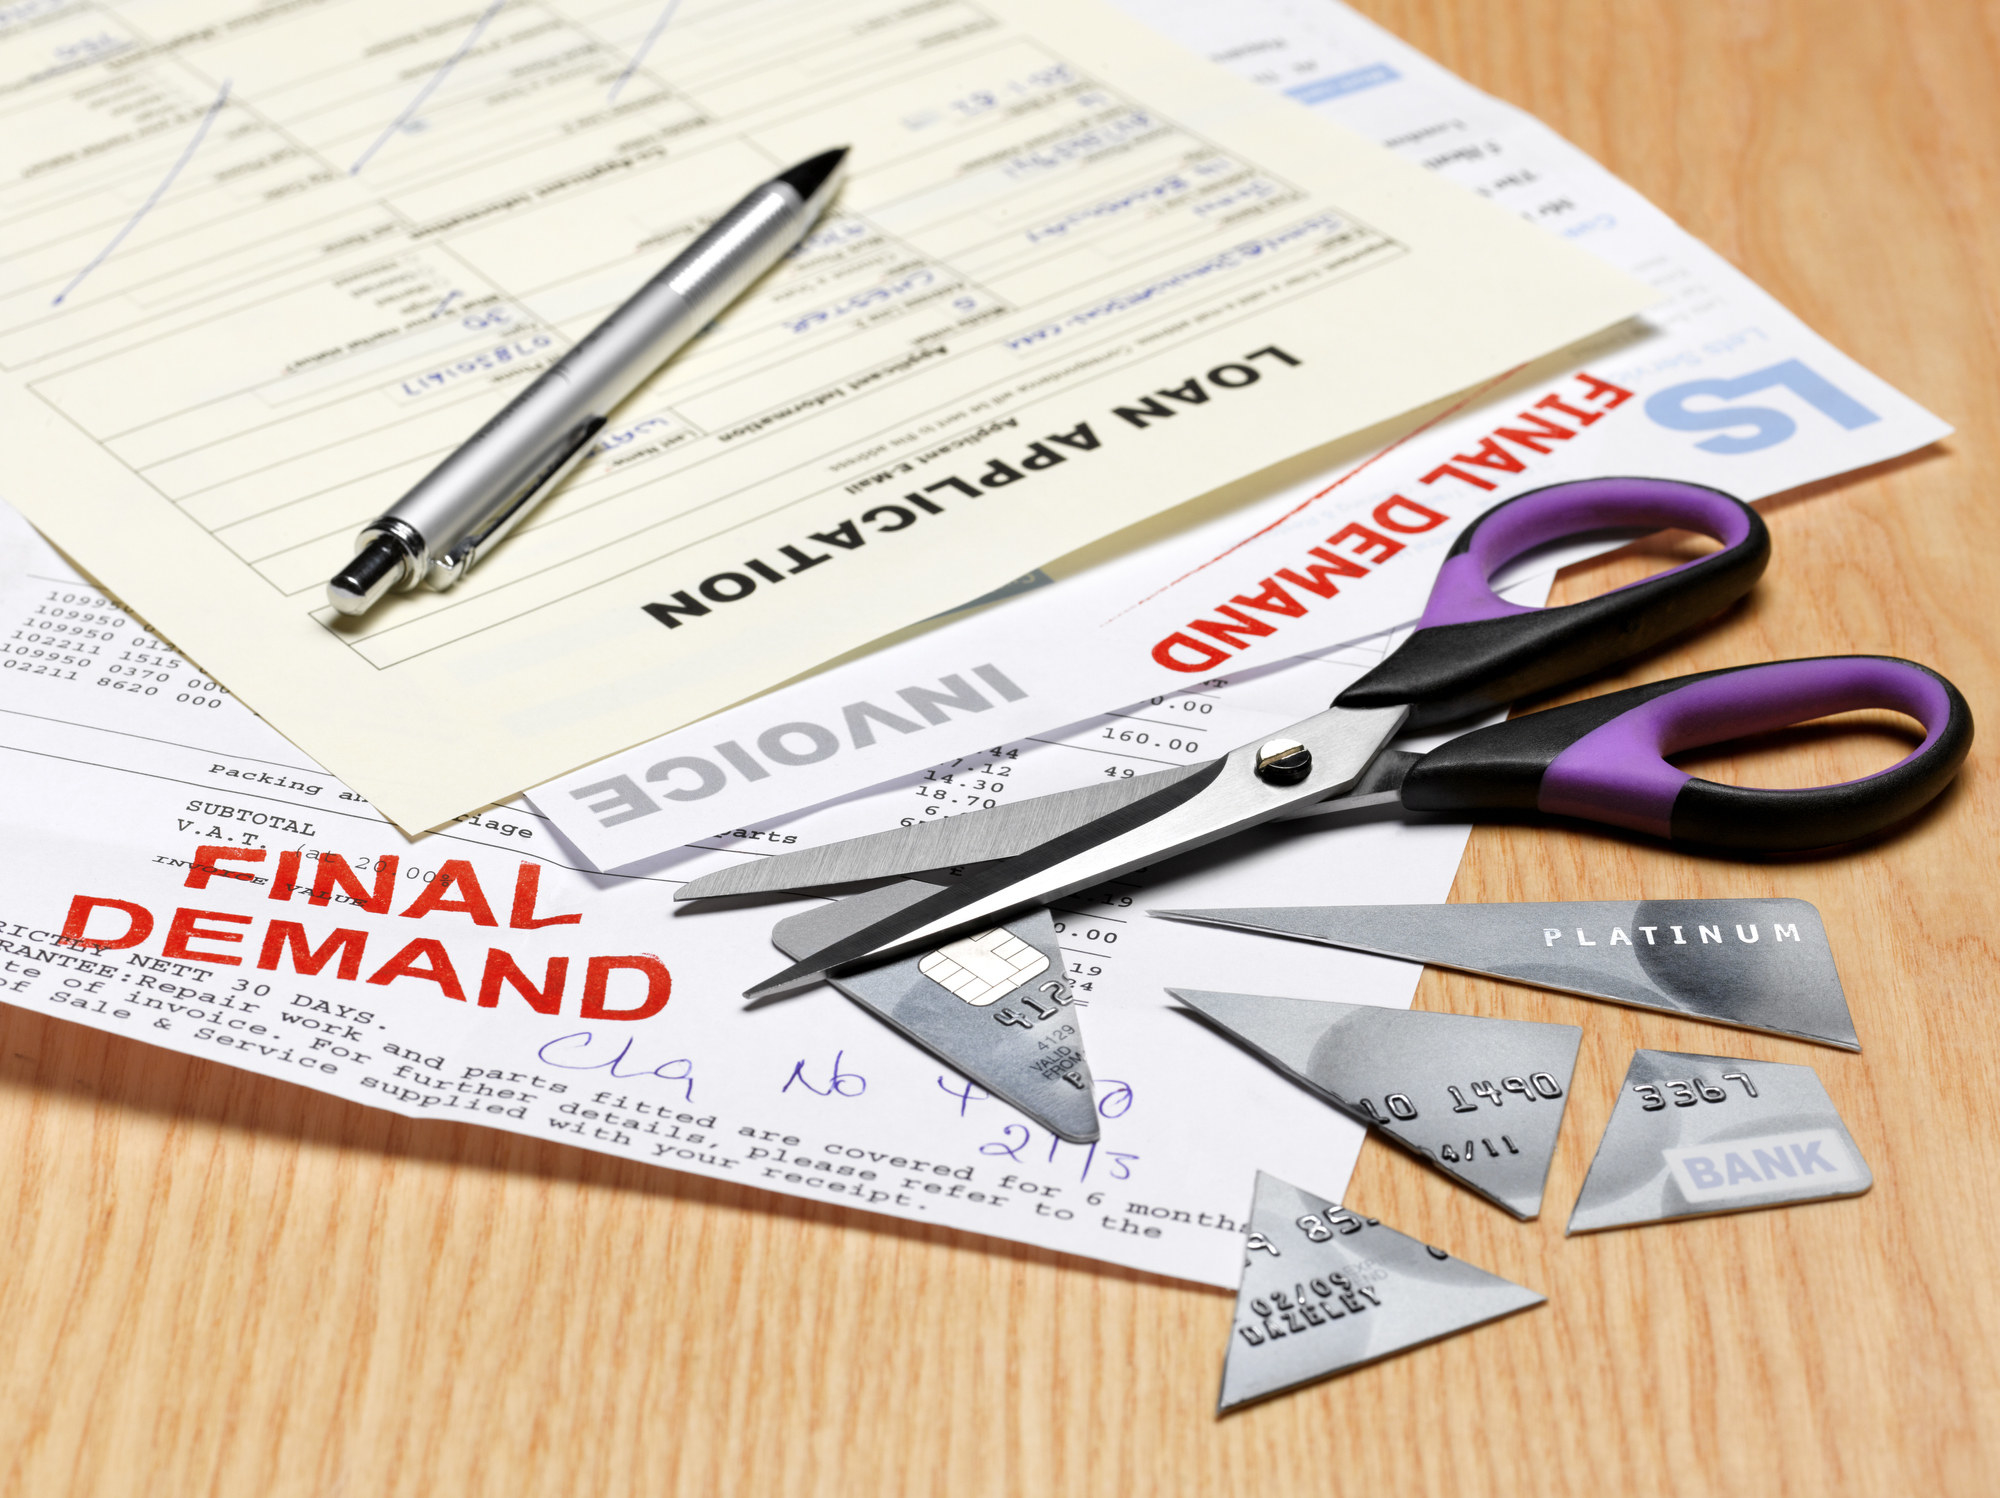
x=559 y=458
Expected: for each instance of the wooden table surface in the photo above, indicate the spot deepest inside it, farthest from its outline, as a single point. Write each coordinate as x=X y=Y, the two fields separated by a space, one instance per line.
x=218 y=1284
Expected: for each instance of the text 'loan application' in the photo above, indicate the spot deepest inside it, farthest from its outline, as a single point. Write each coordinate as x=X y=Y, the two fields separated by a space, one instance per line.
x=265 y=265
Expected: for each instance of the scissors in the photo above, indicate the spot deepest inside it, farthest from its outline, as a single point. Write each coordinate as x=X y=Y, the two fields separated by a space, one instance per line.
x=1603 y=759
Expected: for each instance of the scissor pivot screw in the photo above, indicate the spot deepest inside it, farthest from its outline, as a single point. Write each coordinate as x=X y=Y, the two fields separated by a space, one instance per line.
x=1283 y=762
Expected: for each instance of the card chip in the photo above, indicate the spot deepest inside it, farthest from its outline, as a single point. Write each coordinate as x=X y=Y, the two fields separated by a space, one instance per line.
x=984 y=968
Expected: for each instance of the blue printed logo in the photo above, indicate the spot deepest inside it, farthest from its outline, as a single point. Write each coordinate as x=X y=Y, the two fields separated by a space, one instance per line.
x=1749 y=429
x=1811 y=1162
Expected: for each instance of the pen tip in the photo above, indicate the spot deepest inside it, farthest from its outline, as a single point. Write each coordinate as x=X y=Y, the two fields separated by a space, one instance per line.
x=811 y=178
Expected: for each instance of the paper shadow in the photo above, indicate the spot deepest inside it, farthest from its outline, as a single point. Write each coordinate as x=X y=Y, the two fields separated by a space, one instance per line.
x=42 y=1053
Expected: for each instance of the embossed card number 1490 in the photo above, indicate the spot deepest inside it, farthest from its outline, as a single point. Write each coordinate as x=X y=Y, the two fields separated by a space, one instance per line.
x=1537 y=1086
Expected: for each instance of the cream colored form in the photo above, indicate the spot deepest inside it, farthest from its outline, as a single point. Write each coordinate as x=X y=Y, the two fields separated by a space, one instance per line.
x=265 y=267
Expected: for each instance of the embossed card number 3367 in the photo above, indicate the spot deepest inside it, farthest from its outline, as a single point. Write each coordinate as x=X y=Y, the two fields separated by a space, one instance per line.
x=1686 y=1094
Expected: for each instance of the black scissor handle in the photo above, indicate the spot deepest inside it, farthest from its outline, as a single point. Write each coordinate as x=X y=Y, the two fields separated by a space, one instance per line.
x=1474 y=651
x=1604 y=759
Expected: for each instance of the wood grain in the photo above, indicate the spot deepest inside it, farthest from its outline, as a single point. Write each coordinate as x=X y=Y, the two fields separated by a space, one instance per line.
x=216 y=1284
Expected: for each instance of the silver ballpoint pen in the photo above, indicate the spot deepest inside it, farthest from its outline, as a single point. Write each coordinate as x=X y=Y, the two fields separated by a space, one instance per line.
x=434 y=533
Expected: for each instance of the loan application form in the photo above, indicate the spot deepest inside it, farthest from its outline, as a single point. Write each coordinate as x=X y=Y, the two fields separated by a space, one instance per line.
x=266 y=264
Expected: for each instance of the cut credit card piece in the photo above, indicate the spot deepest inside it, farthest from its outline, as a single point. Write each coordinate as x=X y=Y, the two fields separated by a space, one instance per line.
x=1325 y=1290
x=1755 y=964
x=1691 y=1136
x=1481 y=1099
x=994 y=1006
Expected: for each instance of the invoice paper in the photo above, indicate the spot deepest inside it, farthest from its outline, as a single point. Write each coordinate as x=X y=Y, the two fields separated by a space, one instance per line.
x=266 y=264
x=228 y=899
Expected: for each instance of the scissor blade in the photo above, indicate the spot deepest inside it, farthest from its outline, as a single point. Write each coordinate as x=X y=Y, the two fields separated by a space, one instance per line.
x=946 y=843
x=1381 y=784
x=1221 y=797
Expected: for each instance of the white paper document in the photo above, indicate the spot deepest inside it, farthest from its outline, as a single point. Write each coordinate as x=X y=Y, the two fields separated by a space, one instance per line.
x=1722 y=386
x=266 y=265
x=230 y=900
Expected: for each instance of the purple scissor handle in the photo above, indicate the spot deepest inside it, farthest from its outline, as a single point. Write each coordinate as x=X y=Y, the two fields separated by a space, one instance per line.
x=1473 y=651
x=1604 y=759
